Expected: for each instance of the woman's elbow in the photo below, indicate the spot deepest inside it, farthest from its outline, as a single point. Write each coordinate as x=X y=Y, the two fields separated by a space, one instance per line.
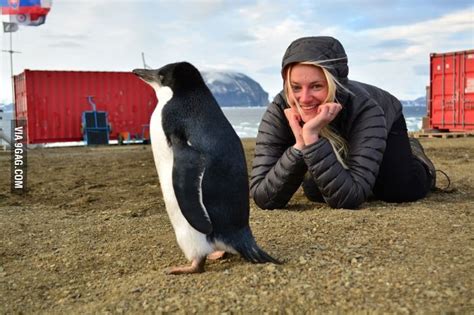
x=264 y=204
x=353 y=204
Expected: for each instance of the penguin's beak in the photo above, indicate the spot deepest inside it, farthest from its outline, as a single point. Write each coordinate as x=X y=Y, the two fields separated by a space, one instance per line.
x=146 y=75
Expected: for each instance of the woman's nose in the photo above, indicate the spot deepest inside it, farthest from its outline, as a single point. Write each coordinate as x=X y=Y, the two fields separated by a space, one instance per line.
x=305 y=96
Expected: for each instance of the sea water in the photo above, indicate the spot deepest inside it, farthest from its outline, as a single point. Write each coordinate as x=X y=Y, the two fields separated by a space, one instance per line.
x=246 y=120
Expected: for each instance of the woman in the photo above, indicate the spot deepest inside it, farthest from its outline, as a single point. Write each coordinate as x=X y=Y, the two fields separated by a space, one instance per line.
x=343 y=140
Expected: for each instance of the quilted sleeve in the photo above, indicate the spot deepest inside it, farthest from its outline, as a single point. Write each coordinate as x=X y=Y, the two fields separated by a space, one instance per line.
x=278 y=168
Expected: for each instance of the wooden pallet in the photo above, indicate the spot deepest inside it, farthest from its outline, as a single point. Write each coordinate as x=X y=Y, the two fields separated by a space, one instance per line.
x=442 y=135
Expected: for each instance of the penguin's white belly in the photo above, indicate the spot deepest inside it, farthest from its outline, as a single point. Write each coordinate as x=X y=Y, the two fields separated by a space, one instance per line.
x=192 y=242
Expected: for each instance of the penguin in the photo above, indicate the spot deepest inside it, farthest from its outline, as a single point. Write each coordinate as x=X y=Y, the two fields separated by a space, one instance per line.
x=201 y=167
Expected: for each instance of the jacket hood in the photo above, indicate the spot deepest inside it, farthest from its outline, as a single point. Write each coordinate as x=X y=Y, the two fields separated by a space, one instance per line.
x=324 y=49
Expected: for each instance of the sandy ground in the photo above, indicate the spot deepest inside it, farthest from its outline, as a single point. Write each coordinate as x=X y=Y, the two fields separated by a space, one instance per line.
x=92 y=236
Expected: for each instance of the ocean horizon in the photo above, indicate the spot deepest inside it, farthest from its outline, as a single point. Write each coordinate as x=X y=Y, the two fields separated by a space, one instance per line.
x=246 y=120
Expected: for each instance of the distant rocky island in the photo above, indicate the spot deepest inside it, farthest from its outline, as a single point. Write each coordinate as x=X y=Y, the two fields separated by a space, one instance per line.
x=419 y=102
x=235 y=89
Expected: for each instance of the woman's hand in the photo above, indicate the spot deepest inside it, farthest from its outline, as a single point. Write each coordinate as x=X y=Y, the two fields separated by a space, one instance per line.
x=294 y=119
x=311 y=129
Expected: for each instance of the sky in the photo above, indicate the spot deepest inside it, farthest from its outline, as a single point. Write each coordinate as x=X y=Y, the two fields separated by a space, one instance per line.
x=388 y=43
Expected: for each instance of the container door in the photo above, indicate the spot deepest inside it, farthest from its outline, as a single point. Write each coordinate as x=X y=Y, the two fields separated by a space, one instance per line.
x=452 y=91
x=441 y=102
x=446 y=98
x=466 y=95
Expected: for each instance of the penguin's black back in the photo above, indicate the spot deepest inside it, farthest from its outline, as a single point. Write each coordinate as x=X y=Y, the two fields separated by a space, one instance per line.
x=193 y=115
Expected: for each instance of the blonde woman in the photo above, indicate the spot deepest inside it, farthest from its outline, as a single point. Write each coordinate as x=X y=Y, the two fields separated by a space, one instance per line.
x=342 y=140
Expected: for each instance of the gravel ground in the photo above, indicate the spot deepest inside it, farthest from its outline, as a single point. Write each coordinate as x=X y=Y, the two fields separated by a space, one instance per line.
x=92 y=236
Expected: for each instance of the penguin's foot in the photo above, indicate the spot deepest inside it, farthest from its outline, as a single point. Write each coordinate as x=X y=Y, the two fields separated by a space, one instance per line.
x=218 y=254
x=197 y=266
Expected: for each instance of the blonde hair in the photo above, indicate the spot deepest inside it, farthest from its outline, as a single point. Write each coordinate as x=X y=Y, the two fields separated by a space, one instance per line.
x=337 y=142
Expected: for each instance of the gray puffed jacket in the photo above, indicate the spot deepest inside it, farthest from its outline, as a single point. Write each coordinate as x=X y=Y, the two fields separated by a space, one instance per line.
x=365 y=120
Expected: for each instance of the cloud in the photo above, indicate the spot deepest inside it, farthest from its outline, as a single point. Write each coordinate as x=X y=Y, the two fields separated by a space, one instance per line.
x=66 y=36
x=202 y=10
x=397 y=57
x=66 y=44
x=64 y=40
x=393 y=43
x=270 y=70
x=414 y=42
x=423 y=69
x=242 y=38
x=423 y=32
x=368 y=14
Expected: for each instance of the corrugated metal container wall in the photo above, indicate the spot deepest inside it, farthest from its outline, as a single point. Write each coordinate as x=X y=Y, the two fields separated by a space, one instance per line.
x=451 y=98
x=53 y=102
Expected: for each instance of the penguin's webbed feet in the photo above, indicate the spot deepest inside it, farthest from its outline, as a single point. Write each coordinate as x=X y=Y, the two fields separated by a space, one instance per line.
x=197 y=266
x=218 y=254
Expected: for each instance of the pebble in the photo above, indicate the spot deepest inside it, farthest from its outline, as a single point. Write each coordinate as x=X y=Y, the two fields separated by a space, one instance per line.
x=137 y=290
x=450 y=292
x=431 y=294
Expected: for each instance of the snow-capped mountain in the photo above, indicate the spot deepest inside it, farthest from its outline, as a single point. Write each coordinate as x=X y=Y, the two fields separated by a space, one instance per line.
x=235 y=89
x=6 y=107
x=414 y=108
x=419 y=102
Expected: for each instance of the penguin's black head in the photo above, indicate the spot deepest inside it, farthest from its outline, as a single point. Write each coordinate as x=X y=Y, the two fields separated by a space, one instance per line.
x=177 y=76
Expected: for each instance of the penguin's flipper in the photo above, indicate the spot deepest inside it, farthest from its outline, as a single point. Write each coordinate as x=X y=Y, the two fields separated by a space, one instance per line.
x=188 y=170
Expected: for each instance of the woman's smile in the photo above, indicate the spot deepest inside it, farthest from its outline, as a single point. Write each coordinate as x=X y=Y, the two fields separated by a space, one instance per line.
x=310 y=89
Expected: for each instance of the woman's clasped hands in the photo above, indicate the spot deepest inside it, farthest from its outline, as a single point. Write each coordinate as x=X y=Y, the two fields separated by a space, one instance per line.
x=307 y=129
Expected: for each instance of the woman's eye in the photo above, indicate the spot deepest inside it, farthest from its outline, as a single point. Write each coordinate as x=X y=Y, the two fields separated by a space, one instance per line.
x=295 y=88
x=316 y=87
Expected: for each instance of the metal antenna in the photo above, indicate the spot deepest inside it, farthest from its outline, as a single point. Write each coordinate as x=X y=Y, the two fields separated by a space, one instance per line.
x=11 y=52
x=145 y=66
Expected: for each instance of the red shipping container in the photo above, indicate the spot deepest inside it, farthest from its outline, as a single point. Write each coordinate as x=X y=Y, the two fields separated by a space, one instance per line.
x=451 y=96
x=52 y=102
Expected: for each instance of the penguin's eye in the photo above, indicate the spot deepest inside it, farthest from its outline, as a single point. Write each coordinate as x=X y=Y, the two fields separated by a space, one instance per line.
x=160 y=77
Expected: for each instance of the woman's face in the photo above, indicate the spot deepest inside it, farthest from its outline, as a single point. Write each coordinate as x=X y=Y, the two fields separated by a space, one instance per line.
x=309 y=86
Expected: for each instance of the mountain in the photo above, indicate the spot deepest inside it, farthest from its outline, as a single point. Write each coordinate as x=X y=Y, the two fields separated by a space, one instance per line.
x=414 y=108
x=6 y=107
x=419 y=102
x=235 y=89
